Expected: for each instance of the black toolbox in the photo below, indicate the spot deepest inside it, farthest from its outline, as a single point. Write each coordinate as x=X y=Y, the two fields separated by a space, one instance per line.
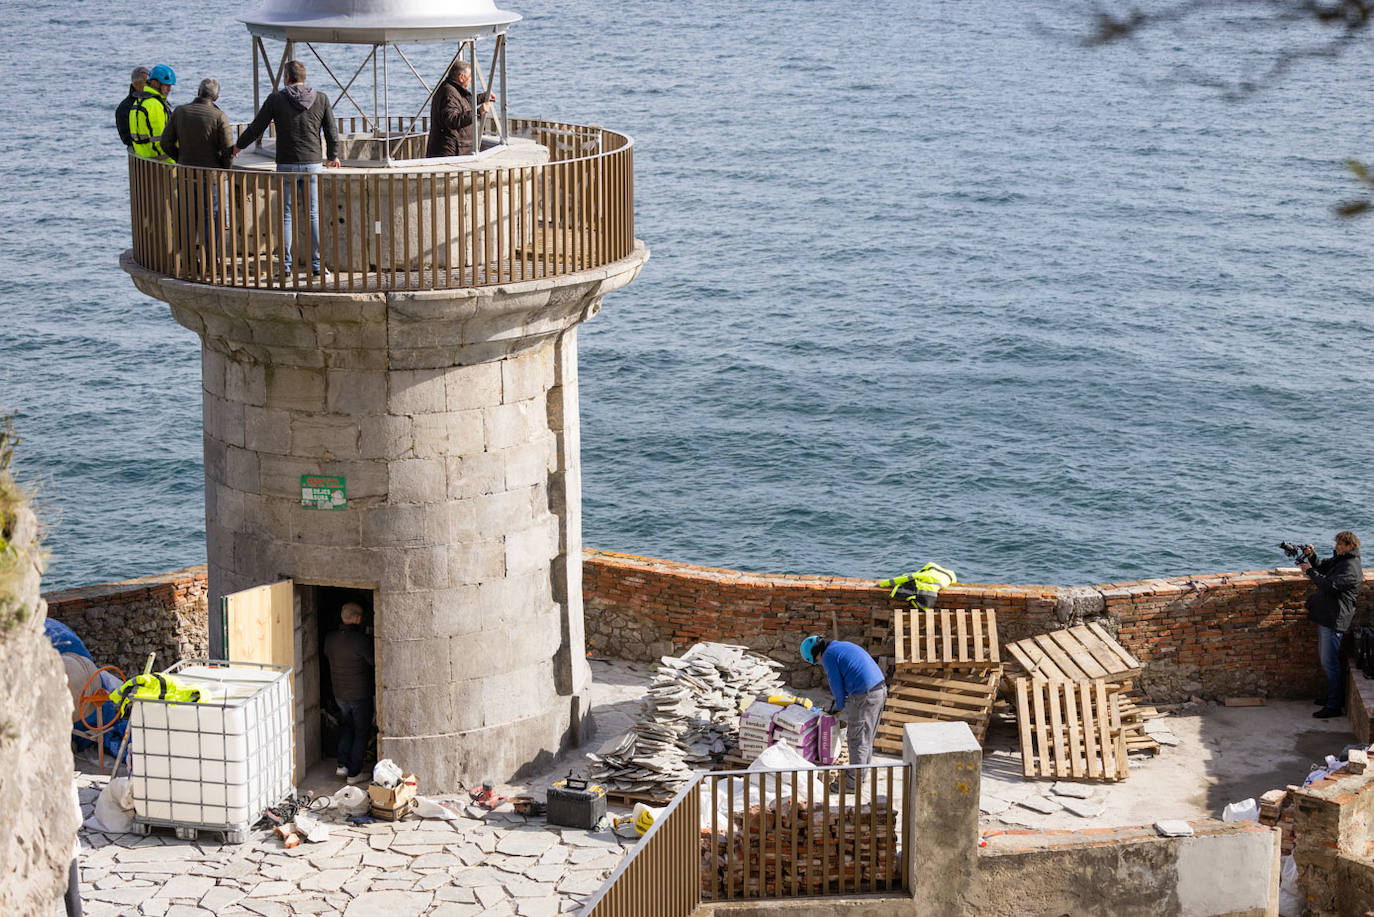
x=575 y=803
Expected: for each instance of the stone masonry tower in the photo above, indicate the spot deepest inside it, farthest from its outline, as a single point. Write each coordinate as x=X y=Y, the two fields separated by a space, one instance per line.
x=401 y=431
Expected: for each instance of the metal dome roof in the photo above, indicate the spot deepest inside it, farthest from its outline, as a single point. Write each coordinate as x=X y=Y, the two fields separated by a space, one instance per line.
x=369 y=21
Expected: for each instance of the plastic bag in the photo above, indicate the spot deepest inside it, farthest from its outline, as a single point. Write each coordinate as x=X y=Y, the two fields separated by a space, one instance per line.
x=386 y=773
x=1290 y=900
x=1245 y=810
x=433 y=808
x=114 y=810
x=352 y=801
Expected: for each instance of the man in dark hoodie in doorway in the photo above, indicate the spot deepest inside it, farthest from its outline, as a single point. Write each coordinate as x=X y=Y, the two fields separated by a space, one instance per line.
x=300 y=114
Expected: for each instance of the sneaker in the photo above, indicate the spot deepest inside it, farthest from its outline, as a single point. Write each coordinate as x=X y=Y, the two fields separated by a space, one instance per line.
x=341 y=771
x=1327 y=713
x=360 y=777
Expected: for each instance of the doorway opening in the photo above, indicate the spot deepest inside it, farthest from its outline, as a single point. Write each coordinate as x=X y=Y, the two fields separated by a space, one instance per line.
x=316 y=712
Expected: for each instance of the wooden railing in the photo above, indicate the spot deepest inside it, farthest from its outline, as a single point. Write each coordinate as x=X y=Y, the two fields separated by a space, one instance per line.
x=768 y=835
x=661 y=876
x=435 y=227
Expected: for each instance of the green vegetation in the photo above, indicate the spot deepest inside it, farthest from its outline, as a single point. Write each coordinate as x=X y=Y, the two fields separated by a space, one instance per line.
x=13 y=557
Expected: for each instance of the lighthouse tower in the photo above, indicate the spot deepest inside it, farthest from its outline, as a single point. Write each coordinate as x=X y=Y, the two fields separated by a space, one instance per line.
x=400 y=431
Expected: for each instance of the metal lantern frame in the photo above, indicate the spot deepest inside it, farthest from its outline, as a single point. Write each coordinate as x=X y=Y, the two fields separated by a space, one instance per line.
x=386 y=43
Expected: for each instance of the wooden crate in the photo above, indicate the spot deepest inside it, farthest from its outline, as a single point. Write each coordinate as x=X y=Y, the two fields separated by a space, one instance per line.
x=1070 y=730
x=943 y=638
x=936 y=697
x=1080 y=653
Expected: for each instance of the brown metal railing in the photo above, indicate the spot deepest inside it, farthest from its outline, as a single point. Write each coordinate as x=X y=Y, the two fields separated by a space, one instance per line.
x=767 y=835
x=394 y=228
x=660 y=877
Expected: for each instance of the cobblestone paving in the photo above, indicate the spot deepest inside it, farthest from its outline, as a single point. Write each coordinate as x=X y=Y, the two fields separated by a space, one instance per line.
x=501 y=866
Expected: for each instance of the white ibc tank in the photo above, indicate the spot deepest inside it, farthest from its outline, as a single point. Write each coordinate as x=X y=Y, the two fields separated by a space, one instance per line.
x=220 y=763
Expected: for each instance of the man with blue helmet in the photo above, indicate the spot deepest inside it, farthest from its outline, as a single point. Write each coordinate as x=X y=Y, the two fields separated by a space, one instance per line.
x=857 y=683
x=149 y=113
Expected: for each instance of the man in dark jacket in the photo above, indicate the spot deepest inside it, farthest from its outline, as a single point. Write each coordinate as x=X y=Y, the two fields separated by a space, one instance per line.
x=349 y=652
x=451 y=113
x=1332 y=607
x=198 y=133
x=300 y=114
x=137 y=80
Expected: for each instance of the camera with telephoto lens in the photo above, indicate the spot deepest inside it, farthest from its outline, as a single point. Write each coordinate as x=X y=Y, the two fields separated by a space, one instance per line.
x=1296 y=551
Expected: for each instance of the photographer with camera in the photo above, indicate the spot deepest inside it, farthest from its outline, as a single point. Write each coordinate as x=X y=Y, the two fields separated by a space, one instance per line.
x=1332 y=607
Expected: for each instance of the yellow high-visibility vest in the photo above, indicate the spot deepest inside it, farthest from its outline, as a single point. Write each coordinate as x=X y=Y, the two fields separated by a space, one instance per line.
x=147 y=120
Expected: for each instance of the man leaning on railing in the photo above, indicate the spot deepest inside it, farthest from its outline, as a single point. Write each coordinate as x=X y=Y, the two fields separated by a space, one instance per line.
x=300 y=114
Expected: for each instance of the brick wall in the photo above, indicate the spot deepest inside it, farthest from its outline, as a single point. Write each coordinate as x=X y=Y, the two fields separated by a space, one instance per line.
x=121 y=623
x=1211 y=635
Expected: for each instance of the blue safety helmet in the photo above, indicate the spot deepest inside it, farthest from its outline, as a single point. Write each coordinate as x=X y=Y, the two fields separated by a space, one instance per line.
x=163 y=74
x=808 y=648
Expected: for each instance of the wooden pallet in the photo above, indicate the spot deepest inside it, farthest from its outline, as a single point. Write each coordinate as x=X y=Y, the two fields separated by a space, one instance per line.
x=936 y=697
x=1134 y=714
x=1080 y=653
x=1070 y=730
x=942 y=638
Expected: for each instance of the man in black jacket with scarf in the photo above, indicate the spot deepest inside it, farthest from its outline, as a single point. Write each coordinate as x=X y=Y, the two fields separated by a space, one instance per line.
x=1332 y=607
x=300 y=114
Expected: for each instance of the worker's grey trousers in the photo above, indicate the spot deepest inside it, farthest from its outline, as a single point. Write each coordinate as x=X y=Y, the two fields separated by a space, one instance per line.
x=864 y=711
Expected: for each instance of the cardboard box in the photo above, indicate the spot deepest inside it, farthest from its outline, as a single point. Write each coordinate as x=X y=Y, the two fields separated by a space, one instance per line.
x=393 y=797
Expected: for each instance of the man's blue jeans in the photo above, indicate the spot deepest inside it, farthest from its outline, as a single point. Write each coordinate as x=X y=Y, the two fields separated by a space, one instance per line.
x=355 y=725
x=1329 y=651
x=294 y=189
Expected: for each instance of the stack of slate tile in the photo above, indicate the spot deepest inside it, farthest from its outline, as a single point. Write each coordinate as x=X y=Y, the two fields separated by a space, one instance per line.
x=688 y=719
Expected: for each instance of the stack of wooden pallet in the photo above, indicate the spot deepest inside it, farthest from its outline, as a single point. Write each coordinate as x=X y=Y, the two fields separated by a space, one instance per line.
x=1075 y=710
x=946 y=667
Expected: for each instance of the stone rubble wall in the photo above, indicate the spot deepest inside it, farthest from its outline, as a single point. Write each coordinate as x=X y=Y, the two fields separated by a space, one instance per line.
x=37 y=795
x=1334 y=844
x=121 y=623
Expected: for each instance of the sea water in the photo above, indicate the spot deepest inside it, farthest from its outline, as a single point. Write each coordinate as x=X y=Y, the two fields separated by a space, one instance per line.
x=930 y=281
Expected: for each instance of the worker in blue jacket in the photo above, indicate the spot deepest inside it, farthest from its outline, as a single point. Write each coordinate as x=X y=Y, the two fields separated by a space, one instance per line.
x=858 y=685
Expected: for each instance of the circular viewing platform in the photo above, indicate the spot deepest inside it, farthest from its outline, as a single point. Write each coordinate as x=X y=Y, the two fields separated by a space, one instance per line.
x=555 y=200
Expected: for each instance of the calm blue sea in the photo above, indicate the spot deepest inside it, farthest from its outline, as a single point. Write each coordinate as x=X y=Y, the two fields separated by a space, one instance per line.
x=929 y=282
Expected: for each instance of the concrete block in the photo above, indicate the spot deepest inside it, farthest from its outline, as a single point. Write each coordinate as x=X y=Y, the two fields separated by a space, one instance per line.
x=241 y=469
x=324 y=437
x=414 y=663
x=418 y=391
x=529 y=464
x=327 y=527
x=283 y=334
x=245 y=382
x=527 y=376
x=266 y=430
x=476 y=475
x=1228 y=873
x=363 y=480
x=385 y=436
x=215 y=452
x=474 y=387
x=280 y=475
x=292 y=388
x=355 y=393
x=532 y=548
x=946 y=762
x=513 y=598
x=427 y=568
x=395 y=526
x=513 y=424
x=473 y=562
x=418 y=480
x=562 y=408
x=223 y=419
x=339 y=566
x=451 y=523
x=448 y=433
x=212 y=372
x=416 y=711
x=496 y=514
